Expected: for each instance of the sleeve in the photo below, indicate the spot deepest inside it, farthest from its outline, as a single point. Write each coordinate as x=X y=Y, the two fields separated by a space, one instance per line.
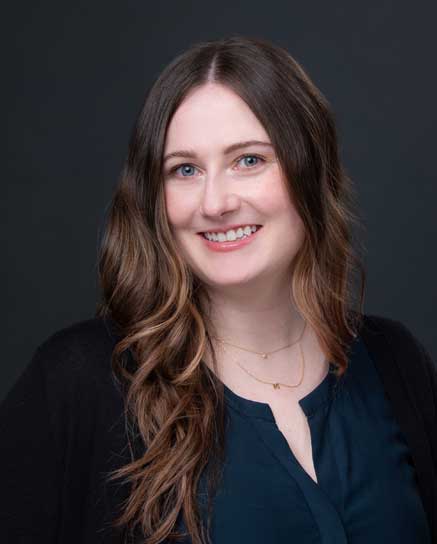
x=29 y=468
x=427 y=362
x=431 y=369
x=432 y=372
x=429 y=411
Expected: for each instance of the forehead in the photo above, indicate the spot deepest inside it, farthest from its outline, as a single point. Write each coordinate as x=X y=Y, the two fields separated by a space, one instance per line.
x=212 y=116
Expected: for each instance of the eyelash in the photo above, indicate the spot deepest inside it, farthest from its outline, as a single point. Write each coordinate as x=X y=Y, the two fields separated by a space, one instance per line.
x=173 y=170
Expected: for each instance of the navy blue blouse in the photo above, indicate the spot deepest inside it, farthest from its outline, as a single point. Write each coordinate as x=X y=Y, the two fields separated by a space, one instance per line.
x=366 y=490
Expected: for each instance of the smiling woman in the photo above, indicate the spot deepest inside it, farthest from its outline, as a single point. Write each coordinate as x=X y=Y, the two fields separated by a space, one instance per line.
x=230 y=388
x=221 y=189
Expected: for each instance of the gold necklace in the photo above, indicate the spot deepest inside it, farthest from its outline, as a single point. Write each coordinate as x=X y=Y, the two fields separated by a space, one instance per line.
x=264 y=355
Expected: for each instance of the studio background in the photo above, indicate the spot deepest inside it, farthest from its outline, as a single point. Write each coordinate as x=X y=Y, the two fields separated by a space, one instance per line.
x=74 y=80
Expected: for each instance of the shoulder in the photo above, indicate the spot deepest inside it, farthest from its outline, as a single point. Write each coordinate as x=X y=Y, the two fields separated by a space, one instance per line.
x=91 y=337
x=378 y=324
x=399 y=354
x=377 y=328
x=76 y=355
x=68 y=377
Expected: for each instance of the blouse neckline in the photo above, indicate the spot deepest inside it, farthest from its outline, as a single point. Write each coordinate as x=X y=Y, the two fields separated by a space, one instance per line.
x=310 y=403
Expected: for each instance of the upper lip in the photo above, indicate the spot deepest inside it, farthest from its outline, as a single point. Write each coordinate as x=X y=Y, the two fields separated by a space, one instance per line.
x=229 y=227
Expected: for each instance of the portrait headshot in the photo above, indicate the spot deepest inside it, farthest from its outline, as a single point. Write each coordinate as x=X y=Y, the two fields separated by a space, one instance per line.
x=222 y=331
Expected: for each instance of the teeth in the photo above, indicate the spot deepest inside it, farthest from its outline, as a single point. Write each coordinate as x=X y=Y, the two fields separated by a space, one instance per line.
x=231 y=234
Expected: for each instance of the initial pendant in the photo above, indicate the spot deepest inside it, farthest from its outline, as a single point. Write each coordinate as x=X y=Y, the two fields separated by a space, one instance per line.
x=276 y=386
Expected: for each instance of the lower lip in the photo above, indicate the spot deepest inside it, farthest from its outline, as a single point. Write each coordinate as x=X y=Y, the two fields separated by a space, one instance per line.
x=230 y=246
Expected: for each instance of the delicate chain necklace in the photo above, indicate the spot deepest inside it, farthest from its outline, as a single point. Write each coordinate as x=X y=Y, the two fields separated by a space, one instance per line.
x=264 y=355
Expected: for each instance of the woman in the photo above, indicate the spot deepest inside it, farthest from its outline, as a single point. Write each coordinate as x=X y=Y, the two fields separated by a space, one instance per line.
x=227 y=388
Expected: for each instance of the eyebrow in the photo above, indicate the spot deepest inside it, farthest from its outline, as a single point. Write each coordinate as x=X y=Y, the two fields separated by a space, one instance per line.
x=230 y=149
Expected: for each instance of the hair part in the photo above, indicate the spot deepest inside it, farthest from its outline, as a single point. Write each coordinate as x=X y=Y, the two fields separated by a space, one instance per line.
x=175 y=412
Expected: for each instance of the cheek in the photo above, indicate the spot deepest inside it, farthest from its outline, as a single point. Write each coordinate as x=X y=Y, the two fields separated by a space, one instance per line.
x=277 y=203
x=178 y=209
x=276 y=200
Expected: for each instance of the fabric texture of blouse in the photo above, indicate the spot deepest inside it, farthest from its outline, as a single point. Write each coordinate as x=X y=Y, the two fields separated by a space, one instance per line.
x=366 y=490
x=63 y=431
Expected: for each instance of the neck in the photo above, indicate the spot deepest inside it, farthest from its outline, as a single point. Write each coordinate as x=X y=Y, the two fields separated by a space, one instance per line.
x=263 y=322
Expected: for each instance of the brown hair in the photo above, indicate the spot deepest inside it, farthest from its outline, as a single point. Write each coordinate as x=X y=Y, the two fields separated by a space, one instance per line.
x=174 y=401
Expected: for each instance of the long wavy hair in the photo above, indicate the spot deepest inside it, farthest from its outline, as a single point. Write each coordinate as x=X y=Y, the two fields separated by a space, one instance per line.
x=174 y=403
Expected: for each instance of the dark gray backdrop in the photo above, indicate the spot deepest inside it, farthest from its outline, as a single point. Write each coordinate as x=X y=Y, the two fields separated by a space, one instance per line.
x=73 y=81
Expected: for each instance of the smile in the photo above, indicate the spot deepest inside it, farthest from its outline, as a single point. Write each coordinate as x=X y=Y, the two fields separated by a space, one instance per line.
x=232 y=239
x=231 y=235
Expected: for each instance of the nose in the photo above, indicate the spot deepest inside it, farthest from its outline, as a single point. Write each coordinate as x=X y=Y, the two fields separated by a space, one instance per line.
x=217 y=198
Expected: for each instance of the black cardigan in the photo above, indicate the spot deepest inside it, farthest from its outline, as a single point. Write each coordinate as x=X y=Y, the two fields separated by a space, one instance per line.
x=409 y=377
x=62 y=430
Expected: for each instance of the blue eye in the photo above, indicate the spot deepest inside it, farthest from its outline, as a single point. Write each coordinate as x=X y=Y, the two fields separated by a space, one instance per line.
x=257 y=157
x=187 y=166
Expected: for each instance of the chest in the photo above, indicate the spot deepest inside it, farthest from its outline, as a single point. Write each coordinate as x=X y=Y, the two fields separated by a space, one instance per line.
x=293 y=424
